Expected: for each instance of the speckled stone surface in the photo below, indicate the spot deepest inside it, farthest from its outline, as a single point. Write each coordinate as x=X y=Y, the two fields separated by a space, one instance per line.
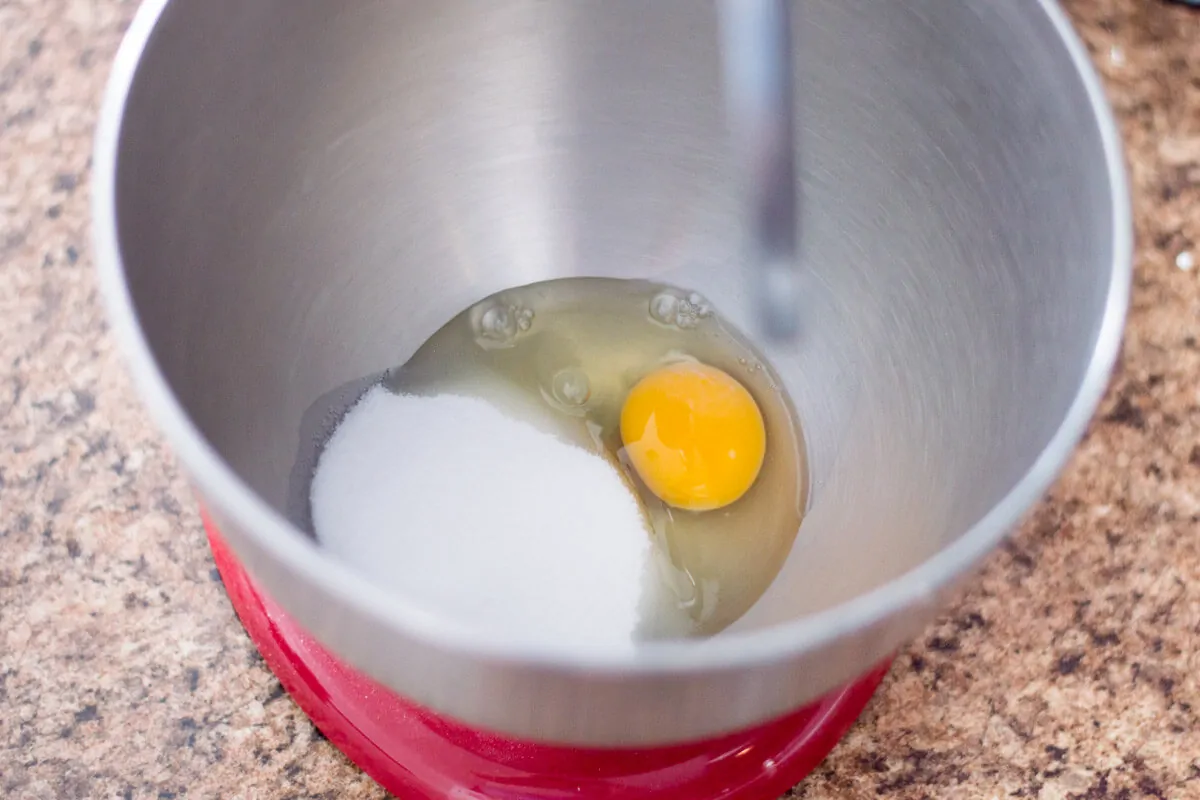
x=1070 y=670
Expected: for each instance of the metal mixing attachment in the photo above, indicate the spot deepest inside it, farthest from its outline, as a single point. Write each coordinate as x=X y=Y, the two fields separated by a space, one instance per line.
x=757 y=48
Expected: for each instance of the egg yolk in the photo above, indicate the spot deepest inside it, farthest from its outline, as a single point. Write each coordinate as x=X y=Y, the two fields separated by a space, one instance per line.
x=694 y=435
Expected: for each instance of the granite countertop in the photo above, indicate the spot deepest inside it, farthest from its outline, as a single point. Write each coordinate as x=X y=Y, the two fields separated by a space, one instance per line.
x=1071 y=669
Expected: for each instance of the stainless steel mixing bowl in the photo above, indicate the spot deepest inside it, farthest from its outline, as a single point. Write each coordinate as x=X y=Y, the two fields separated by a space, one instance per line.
x=293 y=194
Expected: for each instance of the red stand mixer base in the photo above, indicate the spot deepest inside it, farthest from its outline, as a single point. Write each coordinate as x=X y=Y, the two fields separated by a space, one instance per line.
x=417 y=755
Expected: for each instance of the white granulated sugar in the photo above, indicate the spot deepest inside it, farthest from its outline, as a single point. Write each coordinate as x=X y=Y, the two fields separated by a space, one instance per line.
x=483 y=518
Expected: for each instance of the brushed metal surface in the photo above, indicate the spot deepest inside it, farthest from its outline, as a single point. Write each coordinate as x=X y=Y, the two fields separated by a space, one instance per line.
x=756 y=52
x=290 y=195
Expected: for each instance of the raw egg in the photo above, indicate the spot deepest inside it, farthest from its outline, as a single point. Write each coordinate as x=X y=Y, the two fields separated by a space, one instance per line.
x=694 y=435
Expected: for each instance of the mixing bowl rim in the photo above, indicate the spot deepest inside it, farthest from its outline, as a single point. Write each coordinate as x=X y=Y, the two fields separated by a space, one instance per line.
x=233 y=499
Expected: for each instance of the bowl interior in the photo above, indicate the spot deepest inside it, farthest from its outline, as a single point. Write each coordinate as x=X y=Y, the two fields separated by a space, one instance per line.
x=307 y=190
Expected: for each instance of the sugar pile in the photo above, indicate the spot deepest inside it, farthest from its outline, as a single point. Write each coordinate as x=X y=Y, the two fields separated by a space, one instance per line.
x=484 y=518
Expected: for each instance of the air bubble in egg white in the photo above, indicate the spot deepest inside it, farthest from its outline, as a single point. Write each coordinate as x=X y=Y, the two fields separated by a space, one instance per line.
x=663 y=308
x=571 y=387
x=498 y=324
x=569 y=390
x=685 y=313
